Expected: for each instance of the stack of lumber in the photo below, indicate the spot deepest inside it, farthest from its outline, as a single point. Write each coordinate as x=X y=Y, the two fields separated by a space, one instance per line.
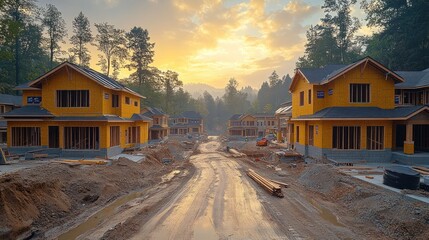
x=82 y=162
x=421 y=170
x=272 y=187
x=236 y=153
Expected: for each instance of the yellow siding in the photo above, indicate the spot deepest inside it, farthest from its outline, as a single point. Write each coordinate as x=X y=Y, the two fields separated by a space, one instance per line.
x=30 y=93
x=301 y=85
x=127 y=110
x=382 y=90
x=326 y=141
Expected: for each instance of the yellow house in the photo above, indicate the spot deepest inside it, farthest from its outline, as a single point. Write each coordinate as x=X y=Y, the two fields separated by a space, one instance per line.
x=188 y=122
x=348 y=113
x=159 y=127
x=76 y=112
x=242 y=125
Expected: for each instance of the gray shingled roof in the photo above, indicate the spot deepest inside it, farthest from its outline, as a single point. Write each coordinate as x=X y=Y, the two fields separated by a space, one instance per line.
x=98 y=77
x=235 y=116
x=188 y=114
x=140 y=117
x=90 y=118
x=28 y=111
x=7 y=99
x=413 y=79
x=179 y=125
x=262 y=115
x=317 y=75
x=363 y=112
x=156 y=127
x=153 y=111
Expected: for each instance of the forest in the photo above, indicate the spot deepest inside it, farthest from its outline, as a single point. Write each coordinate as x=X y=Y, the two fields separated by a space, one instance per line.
x=32 y=39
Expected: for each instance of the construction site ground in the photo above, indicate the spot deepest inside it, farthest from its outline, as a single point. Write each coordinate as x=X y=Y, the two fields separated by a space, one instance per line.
x=206 y=196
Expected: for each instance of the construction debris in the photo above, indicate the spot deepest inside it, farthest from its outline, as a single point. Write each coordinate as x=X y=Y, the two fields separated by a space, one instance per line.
x=273 y=188
x=235 y=153
x=82 y=162
x=421 y=170
x=3 y=159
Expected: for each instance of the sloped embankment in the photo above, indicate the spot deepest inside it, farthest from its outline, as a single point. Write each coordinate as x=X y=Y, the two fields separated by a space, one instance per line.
x=34 y=200
x=393 y=214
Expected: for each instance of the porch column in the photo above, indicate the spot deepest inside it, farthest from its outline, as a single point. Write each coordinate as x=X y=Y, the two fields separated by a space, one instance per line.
x=409 y=143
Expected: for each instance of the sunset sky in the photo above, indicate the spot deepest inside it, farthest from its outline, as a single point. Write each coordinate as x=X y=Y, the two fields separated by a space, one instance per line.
x=210 y=41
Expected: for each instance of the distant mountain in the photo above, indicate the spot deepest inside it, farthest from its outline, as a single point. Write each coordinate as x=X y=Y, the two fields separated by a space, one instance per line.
x=197 y=89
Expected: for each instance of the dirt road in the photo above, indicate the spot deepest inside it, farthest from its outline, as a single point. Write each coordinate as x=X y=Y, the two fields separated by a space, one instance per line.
x=217 y=203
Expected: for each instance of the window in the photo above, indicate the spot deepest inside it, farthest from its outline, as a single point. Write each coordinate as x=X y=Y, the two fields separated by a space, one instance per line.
x=133 y=135
x=311 y=135
x=114 y=136
x=115 y=100
x=309 y=96
x=127 y=100
x=359 y=93
x=136 y=103
x=301 y=99
x=297 y=134
x=26 y=136
x=72 y=98
x=346 y=137
x=375 y=138
x=2 y=109
x=81 y=138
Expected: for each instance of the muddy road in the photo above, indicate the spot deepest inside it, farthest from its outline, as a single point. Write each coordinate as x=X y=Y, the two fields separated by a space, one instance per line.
x=217 y=203
x=215 y=199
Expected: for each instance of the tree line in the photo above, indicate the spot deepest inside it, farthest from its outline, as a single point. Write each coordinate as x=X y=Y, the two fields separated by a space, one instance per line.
x=401 y=43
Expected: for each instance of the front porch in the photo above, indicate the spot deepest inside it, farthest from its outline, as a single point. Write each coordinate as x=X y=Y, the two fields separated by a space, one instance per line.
x=418 y=158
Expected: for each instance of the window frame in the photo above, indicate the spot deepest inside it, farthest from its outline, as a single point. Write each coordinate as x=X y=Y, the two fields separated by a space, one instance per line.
x=309 y=96
x=347 y=137
x=66 y=98
x=377 y=143
x=301 y=98
x=358 y=90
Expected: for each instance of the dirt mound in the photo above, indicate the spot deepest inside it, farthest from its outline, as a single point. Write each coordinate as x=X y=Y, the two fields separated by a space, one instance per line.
x=393 y=214
x=36 y=199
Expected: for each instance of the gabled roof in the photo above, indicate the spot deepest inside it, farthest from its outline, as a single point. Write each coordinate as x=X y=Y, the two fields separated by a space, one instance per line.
x=140 y=117
x=99 y=78
x=28 y=111
x=263 y=115
x=189 y=115
x=413 y=79
x=7 y=99
x=235 y=116
x=344 y=113
x=323 y=75
x=153 y=111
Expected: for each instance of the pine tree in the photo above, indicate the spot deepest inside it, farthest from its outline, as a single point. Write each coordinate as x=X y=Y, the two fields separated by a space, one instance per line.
x=81 y=36
x=56 y=30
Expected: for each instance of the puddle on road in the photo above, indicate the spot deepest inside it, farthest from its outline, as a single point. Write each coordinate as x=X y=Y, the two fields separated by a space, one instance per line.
x=99 y=217
x=326 y=214
x=203 y=229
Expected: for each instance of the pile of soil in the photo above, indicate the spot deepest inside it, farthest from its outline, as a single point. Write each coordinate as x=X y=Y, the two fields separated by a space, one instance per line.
x=393 y=214
x=34 y=200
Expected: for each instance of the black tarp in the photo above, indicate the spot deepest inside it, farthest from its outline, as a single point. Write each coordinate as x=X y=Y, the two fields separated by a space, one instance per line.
x=401 y=177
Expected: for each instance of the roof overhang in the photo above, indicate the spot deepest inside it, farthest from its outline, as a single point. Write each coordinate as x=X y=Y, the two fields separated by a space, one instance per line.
x=426 y=108
x=365 y=61
x=68 y=65
x=294 y=79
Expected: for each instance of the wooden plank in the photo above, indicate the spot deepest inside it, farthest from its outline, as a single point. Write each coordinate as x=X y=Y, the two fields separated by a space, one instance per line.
x=3 y=160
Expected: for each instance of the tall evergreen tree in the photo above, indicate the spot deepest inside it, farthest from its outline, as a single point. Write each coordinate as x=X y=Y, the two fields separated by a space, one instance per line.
x=15 y=18
x=112 y=44
x=56 y=30
x=81 y=36
x=403 y=42
x=141 y=53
